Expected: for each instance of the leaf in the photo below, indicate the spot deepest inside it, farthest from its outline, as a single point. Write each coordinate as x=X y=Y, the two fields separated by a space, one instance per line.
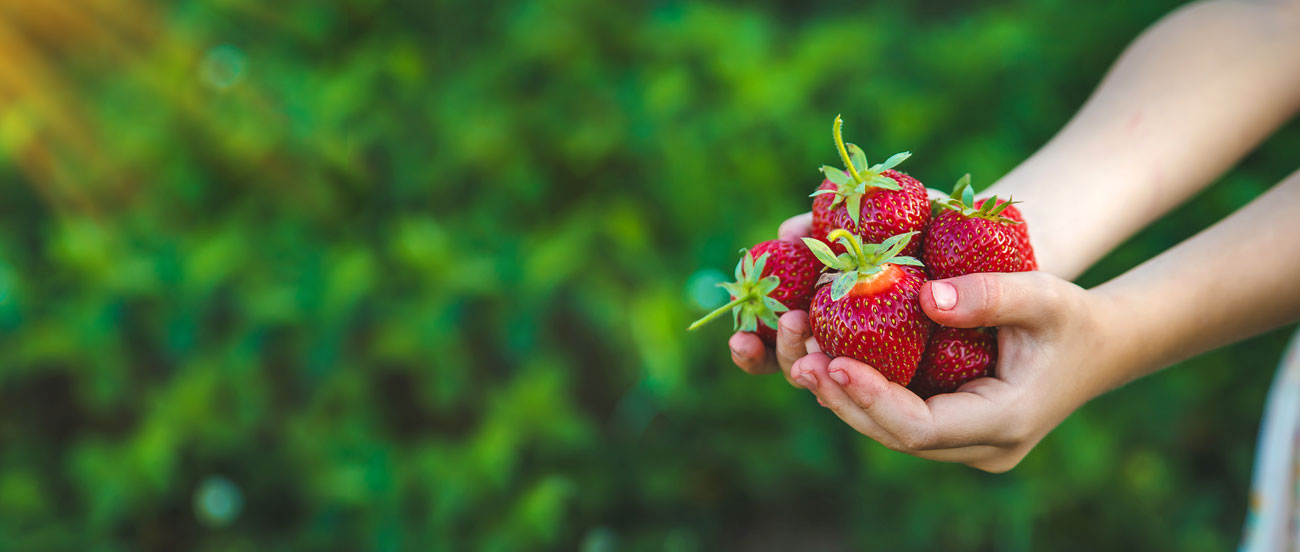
x=960 y=187
x=748 y=322
x=836 y=175
x=767 y=285
x=989 y=204
x=821 y=251
x=735 y=318
x=854 y=206
x=768 y=318
x=967 y=196
x=774 y=305
x=845 y=261
x=855 y=154
x=892 y=162
x=885 y=182
x=757 y=270
x=740 y=267
x=912 y=261
x=843 y=284
x=822 y=192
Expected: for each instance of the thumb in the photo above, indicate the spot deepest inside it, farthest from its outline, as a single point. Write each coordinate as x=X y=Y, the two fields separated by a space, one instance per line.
x=996 y=299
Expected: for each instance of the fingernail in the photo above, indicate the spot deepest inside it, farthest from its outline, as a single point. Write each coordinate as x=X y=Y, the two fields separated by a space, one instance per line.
x=840 y=376
x=944 y=295
x=808 y=381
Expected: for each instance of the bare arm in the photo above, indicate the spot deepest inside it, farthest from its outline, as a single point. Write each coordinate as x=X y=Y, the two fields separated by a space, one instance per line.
x=1189 y=98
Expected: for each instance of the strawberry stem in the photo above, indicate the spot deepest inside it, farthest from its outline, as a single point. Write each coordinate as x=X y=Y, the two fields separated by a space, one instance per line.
x=844 y=153
x=855 y=245
x=724 y=308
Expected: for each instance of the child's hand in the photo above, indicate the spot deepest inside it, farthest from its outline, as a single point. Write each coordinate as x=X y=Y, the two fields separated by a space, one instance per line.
x=1050 y=337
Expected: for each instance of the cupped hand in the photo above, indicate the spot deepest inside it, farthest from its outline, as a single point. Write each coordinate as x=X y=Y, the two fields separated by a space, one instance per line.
x=793 y=335
x=1051 y=335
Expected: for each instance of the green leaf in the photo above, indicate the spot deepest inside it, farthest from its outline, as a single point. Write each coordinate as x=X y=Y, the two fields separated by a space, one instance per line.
x=892 y=162
x=845 y=261
x=855 y=154
x=740 y=268
x=836 y=175
x=766 y=285
x=960 y=187
x=774 y=305
x=821 y=192
x=905 y=261
x=748 y=321
x=735 y=289
x=854 y=206
x=843 y=284
x=989 y=204
x=821 y=251
x=757 y=270
x=735 y=318
x=768 y=318
x=967 y=196
x=885 y=182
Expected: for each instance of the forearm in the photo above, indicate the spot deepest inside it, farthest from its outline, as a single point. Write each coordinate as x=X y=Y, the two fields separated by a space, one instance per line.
x=1187 y=99
x=1237 y=279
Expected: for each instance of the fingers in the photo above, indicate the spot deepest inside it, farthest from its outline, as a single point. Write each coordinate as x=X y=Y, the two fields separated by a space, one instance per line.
x=749 y=353
x=819 y=373
x=946 y=421
x=1026 y=299
x=798 y=226
x=792 y=332
x=811 y=373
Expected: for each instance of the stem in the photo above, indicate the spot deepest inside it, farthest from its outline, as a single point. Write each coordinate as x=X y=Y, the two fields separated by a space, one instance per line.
x=724 y=308
x=844 y=154
x=855 y=245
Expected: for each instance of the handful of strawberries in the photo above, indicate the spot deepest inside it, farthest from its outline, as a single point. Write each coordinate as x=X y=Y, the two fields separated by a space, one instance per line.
x=874 y=243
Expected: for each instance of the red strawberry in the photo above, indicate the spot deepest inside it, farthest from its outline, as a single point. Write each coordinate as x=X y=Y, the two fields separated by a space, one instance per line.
x=871 y=311
x=954 y=357
x=964 y=240
x=781 y=278
x=874 y=202
x=1022 y=233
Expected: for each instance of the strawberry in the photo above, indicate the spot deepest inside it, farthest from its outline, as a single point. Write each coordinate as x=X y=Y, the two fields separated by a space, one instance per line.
x=1022 y=233
x=871 y=311
x=874 y=202
x=954 y=357
x=963 y=239
x=779 y=279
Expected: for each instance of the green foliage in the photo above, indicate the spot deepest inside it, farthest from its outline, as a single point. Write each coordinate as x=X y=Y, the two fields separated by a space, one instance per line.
x=410 y=275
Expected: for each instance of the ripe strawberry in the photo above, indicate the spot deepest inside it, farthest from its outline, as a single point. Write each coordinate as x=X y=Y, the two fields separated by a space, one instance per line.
x=1022 y=233
x=954 y=357
x=871 y=311
x=874 y=202
x=964 y=240
x=781 y=278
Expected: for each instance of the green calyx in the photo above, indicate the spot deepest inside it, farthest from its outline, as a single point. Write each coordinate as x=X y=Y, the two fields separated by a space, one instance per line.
x=751 y=302
x=849 y=188
x=861 y=261
x=962 y=200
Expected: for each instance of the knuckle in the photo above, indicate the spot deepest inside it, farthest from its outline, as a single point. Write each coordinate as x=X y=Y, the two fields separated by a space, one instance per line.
x=991 y=288
x=917 y=439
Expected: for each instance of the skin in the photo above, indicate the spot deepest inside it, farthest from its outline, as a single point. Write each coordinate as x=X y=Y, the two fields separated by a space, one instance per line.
x=1161 y=130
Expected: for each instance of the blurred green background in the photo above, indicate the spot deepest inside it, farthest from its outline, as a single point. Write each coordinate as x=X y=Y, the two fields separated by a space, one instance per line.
x=386 y=274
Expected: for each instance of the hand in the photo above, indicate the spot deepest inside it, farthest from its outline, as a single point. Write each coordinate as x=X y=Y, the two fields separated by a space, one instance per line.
x=1051 y=334
x=793 y=333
